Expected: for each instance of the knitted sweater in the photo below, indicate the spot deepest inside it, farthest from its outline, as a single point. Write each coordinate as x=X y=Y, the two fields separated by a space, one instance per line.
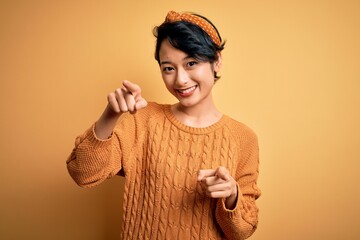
x=160 y=158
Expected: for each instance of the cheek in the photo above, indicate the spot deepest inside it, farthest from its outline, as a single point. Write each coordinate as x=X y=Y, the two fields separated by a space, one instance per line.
x=205 y=74
x=168 y=83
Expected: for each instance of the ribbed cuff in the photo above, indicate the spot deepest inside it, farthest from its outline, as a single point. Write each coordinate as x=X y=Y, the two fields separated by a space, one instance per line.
x=94 y=141
x=231 y=213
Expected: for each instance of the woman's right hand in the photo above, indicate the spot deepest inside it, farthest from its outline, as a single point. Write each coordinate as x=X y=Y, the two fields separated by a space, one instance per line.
x=127 y=98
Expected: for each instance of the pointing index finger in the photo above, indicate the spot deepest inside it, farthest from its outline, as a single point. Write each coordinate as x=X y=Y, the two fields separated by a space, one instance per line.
x=131 y=87
x=222 y=173
x=204 y=173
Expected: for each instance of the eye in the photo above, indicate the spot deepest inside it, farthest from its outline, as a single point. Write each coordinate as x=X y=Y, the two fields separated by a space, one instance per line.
x=167 y=69
x=191 y=63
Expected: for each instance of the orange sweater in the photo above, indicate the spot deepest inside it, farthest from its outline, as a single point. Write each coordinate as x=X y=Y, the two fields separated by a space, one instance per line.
x=160 y=158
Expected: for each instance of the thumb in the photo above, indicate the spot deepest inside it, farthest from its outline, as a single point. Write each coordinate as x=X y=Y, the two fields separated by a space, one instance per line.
x=140 y=103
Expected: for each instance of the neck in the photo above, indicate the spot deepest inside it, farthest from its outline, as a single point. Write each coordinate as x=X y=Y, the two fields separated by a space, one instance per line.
x=201 y=115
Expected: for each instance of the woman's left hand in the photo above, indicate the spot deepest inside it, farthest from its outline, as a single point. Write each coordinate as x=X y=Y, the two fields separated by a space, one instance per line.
x=218 y=183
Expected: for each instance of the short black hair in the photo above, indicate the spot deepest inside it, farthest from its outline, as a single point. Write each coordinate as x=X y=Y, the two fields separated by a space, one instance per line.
x=189 y=38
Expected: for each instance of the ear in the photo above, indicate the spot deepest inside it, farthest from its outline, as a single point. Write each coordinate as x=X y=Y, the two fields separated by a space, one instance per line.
x=218 y=63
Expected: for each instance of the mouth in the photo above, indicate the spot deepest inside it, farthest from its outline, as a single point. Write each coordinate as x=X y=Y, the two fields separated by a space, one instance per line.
x=186 y=91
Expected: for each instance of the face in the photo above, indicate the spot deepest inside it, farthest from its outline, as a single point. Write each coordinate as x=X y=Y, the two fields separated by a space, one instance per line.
x=188 y=79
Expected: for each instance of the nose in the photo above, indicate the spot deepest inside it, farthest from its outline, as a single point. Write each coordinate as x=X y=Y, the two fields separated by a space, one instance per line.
x=182 y=77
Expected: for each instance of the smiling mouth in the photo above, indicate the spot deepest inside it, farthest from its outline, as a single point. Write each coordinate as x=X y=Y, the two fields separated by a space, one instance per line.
x=186 y=92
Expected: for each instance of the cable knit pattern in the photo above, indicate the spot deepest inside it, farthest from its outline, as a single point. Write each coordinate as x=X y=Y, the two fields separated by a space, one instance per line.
x=160 y=158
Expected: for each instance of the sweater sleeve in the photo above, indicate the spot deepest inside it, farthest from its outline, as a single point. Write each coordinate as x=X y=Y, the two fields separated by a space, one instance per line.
x=93 y=160
x=241 y=222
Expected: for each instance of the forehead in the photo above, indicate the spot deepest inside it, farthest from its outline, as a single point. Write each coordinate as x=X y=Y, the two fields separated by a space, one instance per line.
x=169 y=53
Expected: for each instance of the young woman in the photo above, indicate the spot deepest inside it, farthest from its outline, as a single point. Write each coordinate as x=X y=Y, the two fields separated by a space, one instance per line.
x=190 y=171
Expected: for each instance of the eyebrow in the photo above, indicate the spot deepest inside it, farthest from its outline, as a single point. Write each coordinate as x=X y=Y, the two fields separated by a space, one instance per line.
x=165 y=62
x=169 y=62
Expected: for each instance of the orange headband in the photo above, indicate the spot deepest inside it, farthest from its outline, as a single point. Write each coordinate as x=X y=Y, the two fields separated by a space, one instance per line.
x=173 y=16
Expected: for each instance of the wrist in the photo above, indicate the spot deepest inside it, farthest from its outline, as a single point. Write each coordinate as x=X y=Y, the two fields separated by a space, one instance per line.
x=230 y=202
x=106 y=123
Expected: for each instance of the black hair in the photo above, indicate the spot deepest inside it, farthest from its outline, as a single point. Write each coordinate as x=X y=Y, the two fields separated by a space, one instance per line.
x=189 y=38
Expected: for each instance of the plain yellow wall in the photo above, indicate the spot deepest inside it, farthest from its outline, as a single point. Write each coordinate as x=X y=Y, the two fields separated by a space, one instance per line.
x=291 y=72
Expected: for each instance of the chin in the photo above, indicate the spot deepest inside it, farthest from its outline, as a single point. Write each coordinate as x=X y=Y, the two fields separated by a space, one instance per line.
x=187 y=103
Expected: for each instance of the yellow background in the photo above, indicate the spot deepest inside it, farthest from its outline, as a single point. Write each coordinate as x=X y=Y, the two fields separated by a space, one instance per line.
x=291 y=71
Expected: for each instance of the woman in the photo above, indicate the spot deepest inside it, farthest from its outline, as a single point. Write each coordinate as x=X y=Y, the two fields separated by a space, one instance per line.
x=190 y=171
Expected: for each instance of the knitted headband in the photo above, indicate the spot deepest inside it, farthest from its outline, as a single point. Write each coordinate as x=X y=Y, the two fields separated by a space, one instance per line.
x=173 y=16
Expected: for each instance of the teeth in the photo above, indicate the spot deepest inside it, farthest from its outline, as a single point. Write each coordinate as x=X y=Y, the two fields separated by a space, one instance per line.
x=186 y=90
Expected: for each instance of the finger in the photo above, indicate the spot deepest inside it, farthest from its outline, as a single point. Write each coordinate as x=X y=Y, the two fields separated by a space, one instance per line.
x=113 y=102
x=204 y=173
x=121 y=100
x=213 y=180
x=223 y=173
x=141 y=103
x=224 y=186
x=219 y=194
x=132 y=87
x=130 y=102
x=135 y=90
